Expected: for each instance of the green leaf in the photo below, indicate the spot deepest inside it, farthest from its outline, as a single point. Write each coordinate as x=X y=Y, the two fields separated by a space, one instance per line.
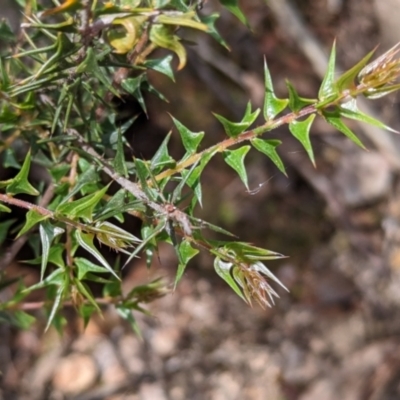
x=127 y=315
x=56 y=278
x=6 y=33
x=272 y=105
x=55 y=256
x=148 y=291
x=59 y=171
x=179 y=5
x=4 y=227
x=22 y=319
x=117 y=205
x=87 y=178
x=60 y=323
x=151 y=234
x=162 y=65
x=119 y=162
x=85 y=267
x=6 y=318
x=143 y=173
x=190 y=140
x=4 y=208
x=249 y=116
x=67 y=26
x=296 y=103
x=328 y=87
x=82 y=208
x=234 y=129
x=210 y=20
x=114 y=236
x=235 y=159
x=301 y=131
x=377 y=93
x=162 y=157
x=223 y=269
x=268 y=147
x=47 y=233
x=4 y=76
x=334 y=118
x=85 y=240
x=32 y=218
x=85 y=312
x=233 y=7
x=114 y=206
x=347 y=80
x=163 y=3
x=177 y=193
x=248 y=253
x=62 y=289
x=92 y=68
x=20 y=183
x=350 y=110
x=186 y=253
x=62 y=48
x=19 y=292
x=181 y=20
x=204 y=224
x=86 y=292
x=112 y=289
x=9 y=159
x=133 y=86
x=193 y=180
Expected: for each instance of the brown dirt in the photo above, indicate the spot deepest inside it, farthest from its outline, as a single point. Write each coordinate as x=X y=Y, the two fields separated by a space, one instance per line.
x=335 y=335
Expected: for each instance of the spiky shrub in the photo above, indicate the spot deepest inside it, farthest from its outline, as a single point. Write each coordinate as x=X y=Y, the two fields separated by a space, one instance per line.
x=57 y=82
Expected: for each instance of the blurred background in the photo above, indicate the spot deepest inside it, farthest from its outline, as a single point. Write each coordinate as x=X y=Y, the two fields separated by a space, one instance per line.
x=336 y=333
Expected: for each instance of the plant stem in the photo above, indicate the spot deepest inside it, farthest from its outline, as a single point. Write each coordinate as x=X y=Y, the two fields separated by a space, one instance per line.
x=5 y=198
x=232 y=141
x=13 y=250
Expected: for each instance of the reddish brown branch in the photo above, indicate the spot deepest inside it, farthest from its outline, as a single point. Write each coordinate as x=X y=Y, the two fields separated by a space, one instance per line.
x=14 y=249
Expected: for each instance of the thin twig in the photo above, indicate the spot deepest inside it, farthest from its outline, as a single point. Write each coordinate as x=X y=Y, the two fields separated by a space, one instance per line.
x=14 y=249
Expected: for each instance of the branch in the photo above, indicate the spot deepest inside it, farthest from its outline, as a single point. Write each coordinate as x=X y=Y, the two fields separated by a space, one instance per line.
x=293 y=25
x=14 y=249
x=164 y=209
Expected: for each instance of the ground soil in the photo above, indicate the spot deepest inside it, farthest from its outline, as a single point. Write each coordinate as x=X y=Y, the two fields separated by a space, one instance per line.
x=335 y=334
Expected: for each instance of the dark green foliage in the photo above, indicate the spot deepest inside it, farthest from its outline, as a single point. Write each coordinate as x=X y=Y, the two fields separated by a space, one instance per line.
x=57 y=87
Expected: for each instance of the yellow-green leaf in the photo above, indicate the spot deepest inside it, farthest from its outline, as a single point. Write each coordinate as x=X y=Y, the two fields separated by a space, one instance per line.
x=124 y=40
x=162 y=36
x=68 y=5
x=182 y=20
